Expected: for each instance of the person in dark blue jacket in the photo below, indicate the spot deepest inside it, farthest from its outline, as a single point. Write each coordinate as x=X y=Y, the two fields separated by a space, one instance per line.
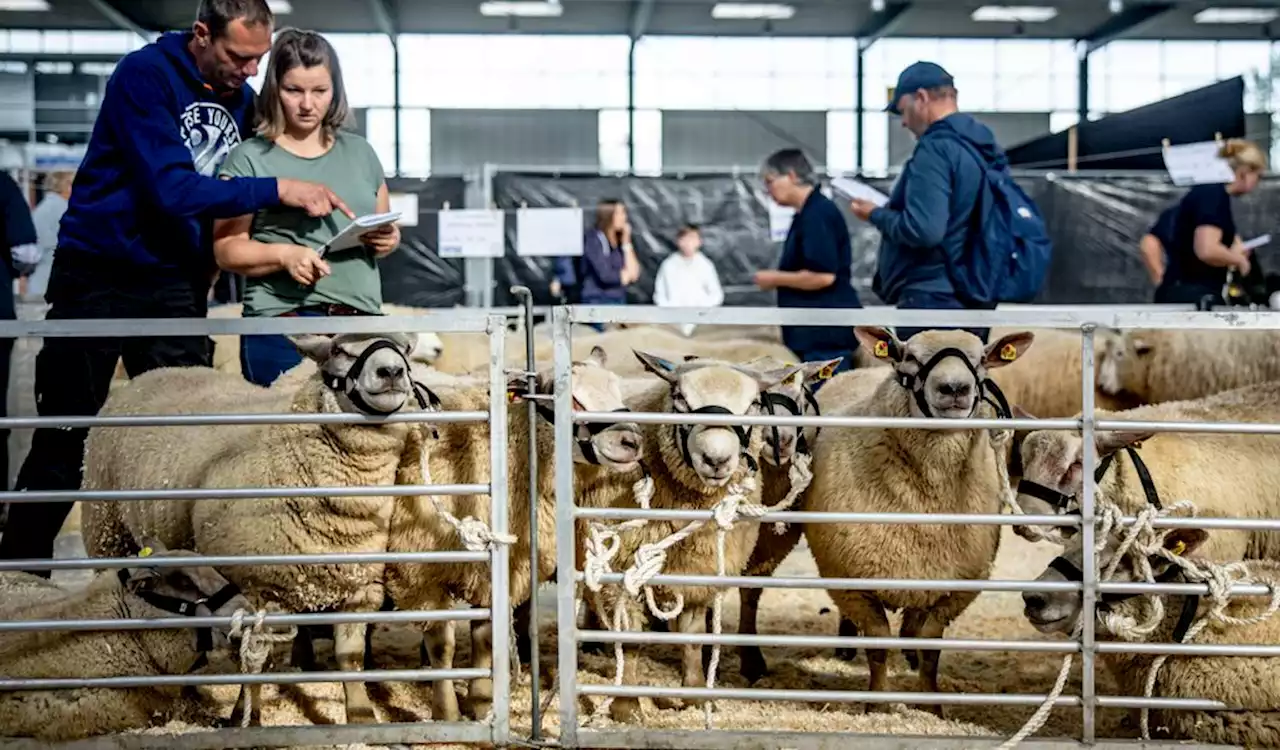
x=22 y=253
x=816 y=267
x=1205 y=242
x=926 y=225
x=134 y=241
x=608 y=264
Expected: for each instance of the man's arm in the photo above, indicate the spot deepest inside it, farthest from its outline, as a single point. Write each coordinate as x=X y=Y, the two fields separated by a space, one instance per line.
x=923 y=221
x=160 y=163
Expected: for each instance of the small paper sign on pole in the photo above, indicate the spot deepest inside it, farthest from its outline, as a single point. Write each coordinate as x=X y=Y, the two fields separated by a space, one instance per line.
x=472 y=233
x=1196 y=164
x=549 y=232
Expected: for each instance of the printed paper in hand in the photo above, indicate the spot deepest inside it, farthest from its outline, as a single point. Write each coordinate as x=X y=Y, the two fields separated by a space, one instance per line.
x=406 y=204
x=549 y=232
x=1197 y=164
x=859 y=189
x=471 y=233
x=349 y=237
x=779 y=221
x=1258 y=241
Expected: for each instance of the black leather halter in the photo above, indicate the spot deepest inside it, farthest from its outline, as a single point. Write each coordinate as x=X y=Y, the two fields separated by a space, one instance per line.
x=584 y=432
x=1068 y=504
x=770 y=400
x=1186 y=615
x=684 y=432
x=346 y=384
x=187 y=608
x=988 y=391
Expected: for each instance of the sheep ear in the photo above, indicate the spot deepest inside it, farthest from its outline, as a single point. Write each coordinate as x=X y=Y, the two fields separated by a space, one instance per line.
x=1112 y=441
x=1141 y=344
x=815 y=371
x=664 y=369
x=1021 y=413
x=771 y=378
x=317 y=347
x=880 y=342
x=1008 y=349
x=598 y=356
x=1184 y=541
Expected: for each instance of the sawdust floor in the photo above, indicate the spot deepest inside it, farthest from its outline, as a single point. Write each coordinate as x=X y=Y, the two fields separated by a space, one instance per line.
x=993 y=615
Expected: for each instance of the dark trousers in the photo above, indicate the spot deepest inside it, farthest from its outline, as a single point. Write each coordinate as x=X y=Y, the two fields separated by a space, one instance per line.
x=1179 y=292
x=265 y=358
x=73 y=376
x=935 y=301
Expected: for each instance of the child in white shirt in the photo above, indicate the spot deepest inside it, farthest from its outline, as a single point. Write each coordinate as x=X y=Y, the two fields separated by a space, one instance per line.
x=688 y=278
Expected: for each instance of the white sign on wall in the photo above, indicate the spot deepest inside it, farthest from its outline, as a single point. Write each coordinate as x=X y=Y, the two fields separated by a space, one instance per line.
x=1197 y=164
x=549 y=232
x=471 y=233
x=405 y=204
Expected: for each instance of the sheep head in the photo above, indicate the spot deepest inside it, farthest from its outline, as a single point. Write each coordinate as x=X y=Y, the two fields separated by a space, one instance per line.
x=714 y=453
x=196 y=585
x=428 y=348
x=1124 y=359
x=790 y=396
x=369 y=373
x=1058 y=611
x=944 y=370
x=1054 y=460
x=618 y=446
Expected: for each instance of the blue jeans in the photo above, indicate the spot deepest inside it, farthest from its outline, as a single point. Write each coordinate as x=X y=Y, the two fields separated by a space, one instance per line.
x=264 y=358
x=819 y=355
x=936 y=301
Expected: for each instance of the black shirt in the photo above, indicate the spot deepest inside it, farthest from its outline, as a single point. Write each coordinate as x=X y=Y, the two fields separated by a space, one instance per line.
x=818 y=241
x=1203 y=205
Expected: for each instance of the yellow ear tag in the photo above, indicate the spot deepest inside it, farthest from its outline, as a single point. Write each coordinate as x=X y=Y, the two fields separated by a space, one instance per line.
x=1179 y=548
x=882 y=349
x=145 y=552
x=1008 y=352
x=826 y=372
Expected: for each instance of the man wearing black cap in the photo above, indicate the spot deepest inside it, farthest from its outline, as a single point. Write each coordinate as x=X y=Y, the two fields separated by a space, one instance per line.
x=926 y=225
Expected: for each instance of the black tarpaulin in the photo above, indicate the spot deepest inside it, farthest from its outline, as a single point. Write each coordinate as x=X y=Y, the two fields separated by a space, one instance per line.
x=415 y=274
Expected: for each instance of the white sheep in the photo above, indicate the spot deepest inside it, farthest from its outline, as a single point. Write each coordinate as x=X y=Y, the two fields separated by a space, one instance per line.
x=1175 y=365
x=460 y=454
x=366 y=374
x=695 y=467
x=1247 y=684
x=939 y=374
x=1230 y=475
x=127 y=593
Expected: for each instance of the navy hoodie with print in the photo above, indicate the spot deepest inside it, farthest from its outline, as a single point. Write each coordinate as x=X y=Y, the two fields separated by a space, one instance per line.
x=147 y=190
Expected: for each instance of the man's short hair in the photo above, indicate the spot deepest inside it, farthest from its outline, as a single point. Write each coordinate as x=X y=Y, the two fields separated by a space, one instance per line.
x=218 y=14
x=687 y=228
x=790 y=160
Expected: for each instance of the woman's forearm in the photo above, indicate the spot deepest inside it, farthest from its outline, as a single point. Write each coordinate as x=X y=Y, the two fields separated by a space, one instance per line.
x=248 y=257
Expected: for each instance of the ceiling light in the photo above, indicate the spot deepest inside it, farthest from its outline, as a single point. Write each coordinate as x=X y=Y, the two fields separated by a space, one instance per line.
x=25 y=5
x=525 y=8
x=752 y=11
x=877 y=6
x=280 y=7
x=1237 y=15
x=1014 y=13
x=1116 y=6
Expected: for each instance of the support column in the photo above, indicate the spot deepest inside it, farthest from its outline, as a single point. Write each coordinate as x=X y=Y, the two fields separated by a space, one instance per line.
x=1082 y=82
x=395 y=102
x=631 y=106
x=859 y=104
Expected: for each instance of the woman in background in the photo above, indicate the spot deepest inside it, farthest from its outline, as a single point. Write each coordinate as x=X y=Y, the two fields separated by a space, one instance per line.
x=1204 y=240
x=47 y=217
x=608 y=264
x=301 y=115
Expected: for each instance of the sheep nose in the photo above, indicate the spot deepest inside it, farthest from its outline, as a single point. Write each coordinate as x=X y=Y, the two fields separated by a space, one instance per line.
x=1033 y=600
x=390 y=372
x=716 y=462
x=955 y=389
x=630 y=442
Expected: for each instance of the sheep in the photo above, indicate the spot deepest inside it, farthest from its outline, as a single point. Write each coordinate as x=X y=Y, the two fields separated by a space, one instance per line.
x=1047 y=381
x=1175 y=365
x=1181 y=465
x=697 y=467
x=782 y=446
x=126 y=593
x=940 y=374
x=1247 y=684
x=366 y=374
x=602 y=453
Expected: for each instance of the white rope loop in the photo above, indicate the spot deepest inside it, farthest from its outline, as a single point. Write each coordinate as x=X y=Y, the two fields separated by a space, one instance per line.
x=255 y=646
x=475 y=535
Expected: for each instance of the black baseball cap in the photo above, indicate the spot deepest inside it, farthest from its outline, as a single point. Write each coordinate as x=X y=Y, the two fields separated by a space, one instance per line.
x=916 y=76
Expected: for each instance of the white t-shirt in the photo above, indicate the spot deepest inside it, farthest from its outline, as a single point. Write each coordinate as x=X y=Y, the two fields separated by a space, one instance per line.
x=687 y=282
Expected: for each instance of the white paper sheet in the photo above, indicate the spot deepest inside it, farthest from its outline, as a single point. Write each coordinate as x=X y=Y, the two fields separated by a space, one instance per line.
x=1258 y=241
x=405 y=204
x=780 y=221
x=858 y=189
x=549 y=232
x=1197 y=164
x=349 y=237
x=471 y=233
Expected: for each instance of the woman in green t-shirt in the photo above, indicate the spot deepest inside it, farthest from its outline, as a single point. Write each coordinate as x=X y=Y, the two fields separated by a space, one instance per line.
x=302 y=111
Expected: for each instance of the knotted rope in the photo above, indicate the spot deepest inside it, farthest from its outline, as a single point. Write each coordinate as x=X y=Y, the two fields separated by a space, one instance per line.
x=475 y=534
x=255 y=646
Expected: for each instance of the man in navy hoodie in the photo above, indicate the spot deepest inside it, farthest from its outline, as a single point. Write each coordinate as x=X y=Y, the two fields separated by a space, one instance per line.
x=930 y=211
x=134 y=241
